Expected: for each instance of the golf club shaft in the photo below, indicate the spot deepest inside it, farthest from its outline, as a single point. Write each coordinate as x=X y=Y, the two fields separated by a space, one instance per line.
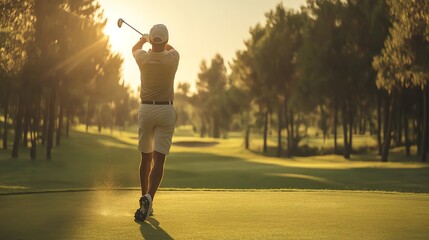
x=133 y=28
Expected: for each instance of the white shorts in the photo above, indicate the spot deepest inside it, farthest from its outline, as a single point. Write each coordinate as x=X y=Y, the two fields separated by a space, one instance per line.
x=156 y=127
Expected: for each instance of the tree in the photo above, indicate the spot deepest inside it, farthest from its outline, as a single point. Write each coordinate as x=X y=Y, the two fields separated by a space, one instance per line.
x=243 y=78
x=247 y=78
x=403 y=62
x=57 y=55
x=210 y=85
x=323 y=63
x=335 y=60
x=183 y=109
x=15 y=22
x=275 y=61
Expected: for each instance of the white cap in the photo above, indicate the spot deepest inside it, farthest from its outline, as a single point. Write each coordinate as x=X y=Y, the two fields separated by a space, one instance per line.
x=158 y=33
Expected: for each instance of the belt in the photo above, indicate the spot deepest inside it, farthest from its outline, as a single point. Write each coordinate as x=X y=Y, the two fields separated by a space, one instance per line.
x=157 y=102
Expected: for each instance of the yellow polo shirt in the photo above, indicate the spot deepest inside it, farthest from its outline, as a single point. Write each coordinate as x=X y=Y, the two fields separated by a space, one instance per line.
x=157 y=72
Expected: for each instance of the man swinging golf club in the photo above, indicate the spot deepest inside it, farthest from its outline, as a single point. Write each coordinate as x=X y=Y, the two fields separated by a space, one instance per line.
x=156 y=116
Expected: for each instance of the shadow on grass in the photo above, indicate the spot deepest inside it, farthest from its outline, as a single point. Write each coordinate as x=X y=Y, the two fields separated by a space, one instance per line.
x=195 y=144
x=206 y=170
x=150 y=229
x=364 y=153
x=311 y=151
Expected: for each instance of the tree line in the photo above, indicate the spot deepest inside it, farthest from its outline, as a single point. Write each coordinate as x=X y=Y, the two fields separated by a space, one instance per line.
x=56 y=68
x=347 y=67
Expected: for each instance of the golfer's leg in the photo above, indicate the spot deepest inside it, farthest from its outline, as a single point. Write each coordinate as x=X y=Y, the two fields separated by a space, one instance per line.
x=145 y=165
x=156 y=173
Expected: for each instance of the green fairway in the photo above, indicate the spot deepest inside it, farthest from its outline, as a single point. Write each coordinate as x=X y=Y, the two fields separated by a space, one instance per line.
x=217 y=215
x=232 y=193
x=89 y=160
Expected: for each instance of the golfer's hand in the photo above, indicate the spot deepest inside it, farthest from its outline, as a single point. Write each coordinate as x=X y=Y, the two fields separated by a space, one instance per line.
x=145 y=37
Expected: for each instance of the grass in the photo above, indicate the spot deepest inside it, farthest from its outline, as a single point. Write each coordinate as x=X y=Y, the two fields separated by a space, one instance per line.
x=219 y=191
x=217 y=215
x=92 y=160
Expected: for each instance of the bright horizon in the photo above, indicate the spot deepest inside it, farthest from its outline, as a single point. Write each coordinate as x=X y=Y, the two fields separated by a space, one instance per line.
x=198 y=34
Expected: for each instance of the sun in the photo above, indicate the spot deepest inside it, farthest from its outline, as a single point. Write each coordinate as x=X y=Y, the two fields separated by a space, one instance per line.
x=116 y=40
x=121 y=41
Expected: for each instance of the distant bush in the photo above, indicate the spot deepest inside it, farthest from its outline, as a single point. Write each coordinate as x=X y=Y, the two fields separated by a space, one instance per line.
x=306 y=151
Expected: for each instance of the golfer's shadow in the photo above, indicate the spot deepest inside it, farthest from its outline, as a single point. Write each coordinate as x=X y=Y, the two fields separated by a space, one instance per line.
x=150 y=229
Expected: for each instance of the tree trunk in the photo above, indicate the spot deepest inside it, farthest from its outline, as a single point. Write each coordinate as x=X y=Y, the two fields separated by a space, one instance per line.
x=210 y=128
x=99 y=122
x=371 y=125
x=351 y=115
x=25 y=127
x=379 y=123
x=413 y=131
x=51 y=124
x=33 y=145
x=399 y=124
x=297 y=123
x=60 y=125
x=406 y=129
x=265 y=148
x=388 y=136
x=1 y=129
x=419 y=125
x=203 y=129
x=18 y=129
x=354 y=111
x=346 y=145
x=399 y=130
x=279 y=133
x=424 y=143
x=33 y=129
x=292 y=137
x=45 y=121
x=323 y=122
x=335 y=126
x=112 y=123
x=6 y=120
x=289 y=141
x=386 y=115
x=360 y=120
x=68 y=123
x=364 y=124
x=87 y=115
x=247 y=137
x=216 y=127
x=246 y=122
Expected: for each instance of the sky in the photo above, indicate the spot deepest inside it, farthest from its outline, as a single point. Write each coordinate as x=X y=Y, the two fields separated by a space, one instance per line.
x=198 y=29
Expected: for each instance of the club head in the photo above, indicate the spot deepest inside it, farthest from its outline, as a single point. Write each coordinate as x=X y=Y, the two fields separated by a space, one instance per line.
x=120 y=21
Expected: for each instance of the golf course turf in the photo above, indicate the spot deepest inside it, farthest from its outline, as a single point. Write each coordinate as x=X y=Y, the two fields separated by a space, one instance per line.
x=217 y=215
x=212 y=189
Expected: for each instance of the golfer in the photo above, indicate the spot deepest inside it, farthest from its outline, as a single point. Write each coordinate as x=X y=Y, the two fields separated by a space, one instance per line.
x=156 y=116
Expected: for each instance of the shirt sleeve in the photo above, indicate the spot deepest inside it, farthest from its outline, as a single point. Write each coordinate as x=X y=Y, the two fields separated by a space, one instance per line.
x=140 y=56
x=174 y=55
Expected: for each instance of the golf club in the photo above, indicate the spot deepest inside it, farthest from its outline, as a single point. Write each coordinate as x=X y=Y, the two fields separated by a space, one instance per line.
x=120 y=21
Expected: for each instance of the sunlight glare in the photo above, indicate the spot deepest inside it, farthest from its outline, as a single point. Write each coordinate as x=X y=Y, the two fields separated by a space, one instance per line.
x=115 y=38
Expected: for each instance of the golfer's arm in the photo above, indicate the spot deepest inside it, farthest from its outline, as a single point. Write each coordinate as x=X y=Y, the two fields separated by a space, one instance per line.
x=139 y=45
